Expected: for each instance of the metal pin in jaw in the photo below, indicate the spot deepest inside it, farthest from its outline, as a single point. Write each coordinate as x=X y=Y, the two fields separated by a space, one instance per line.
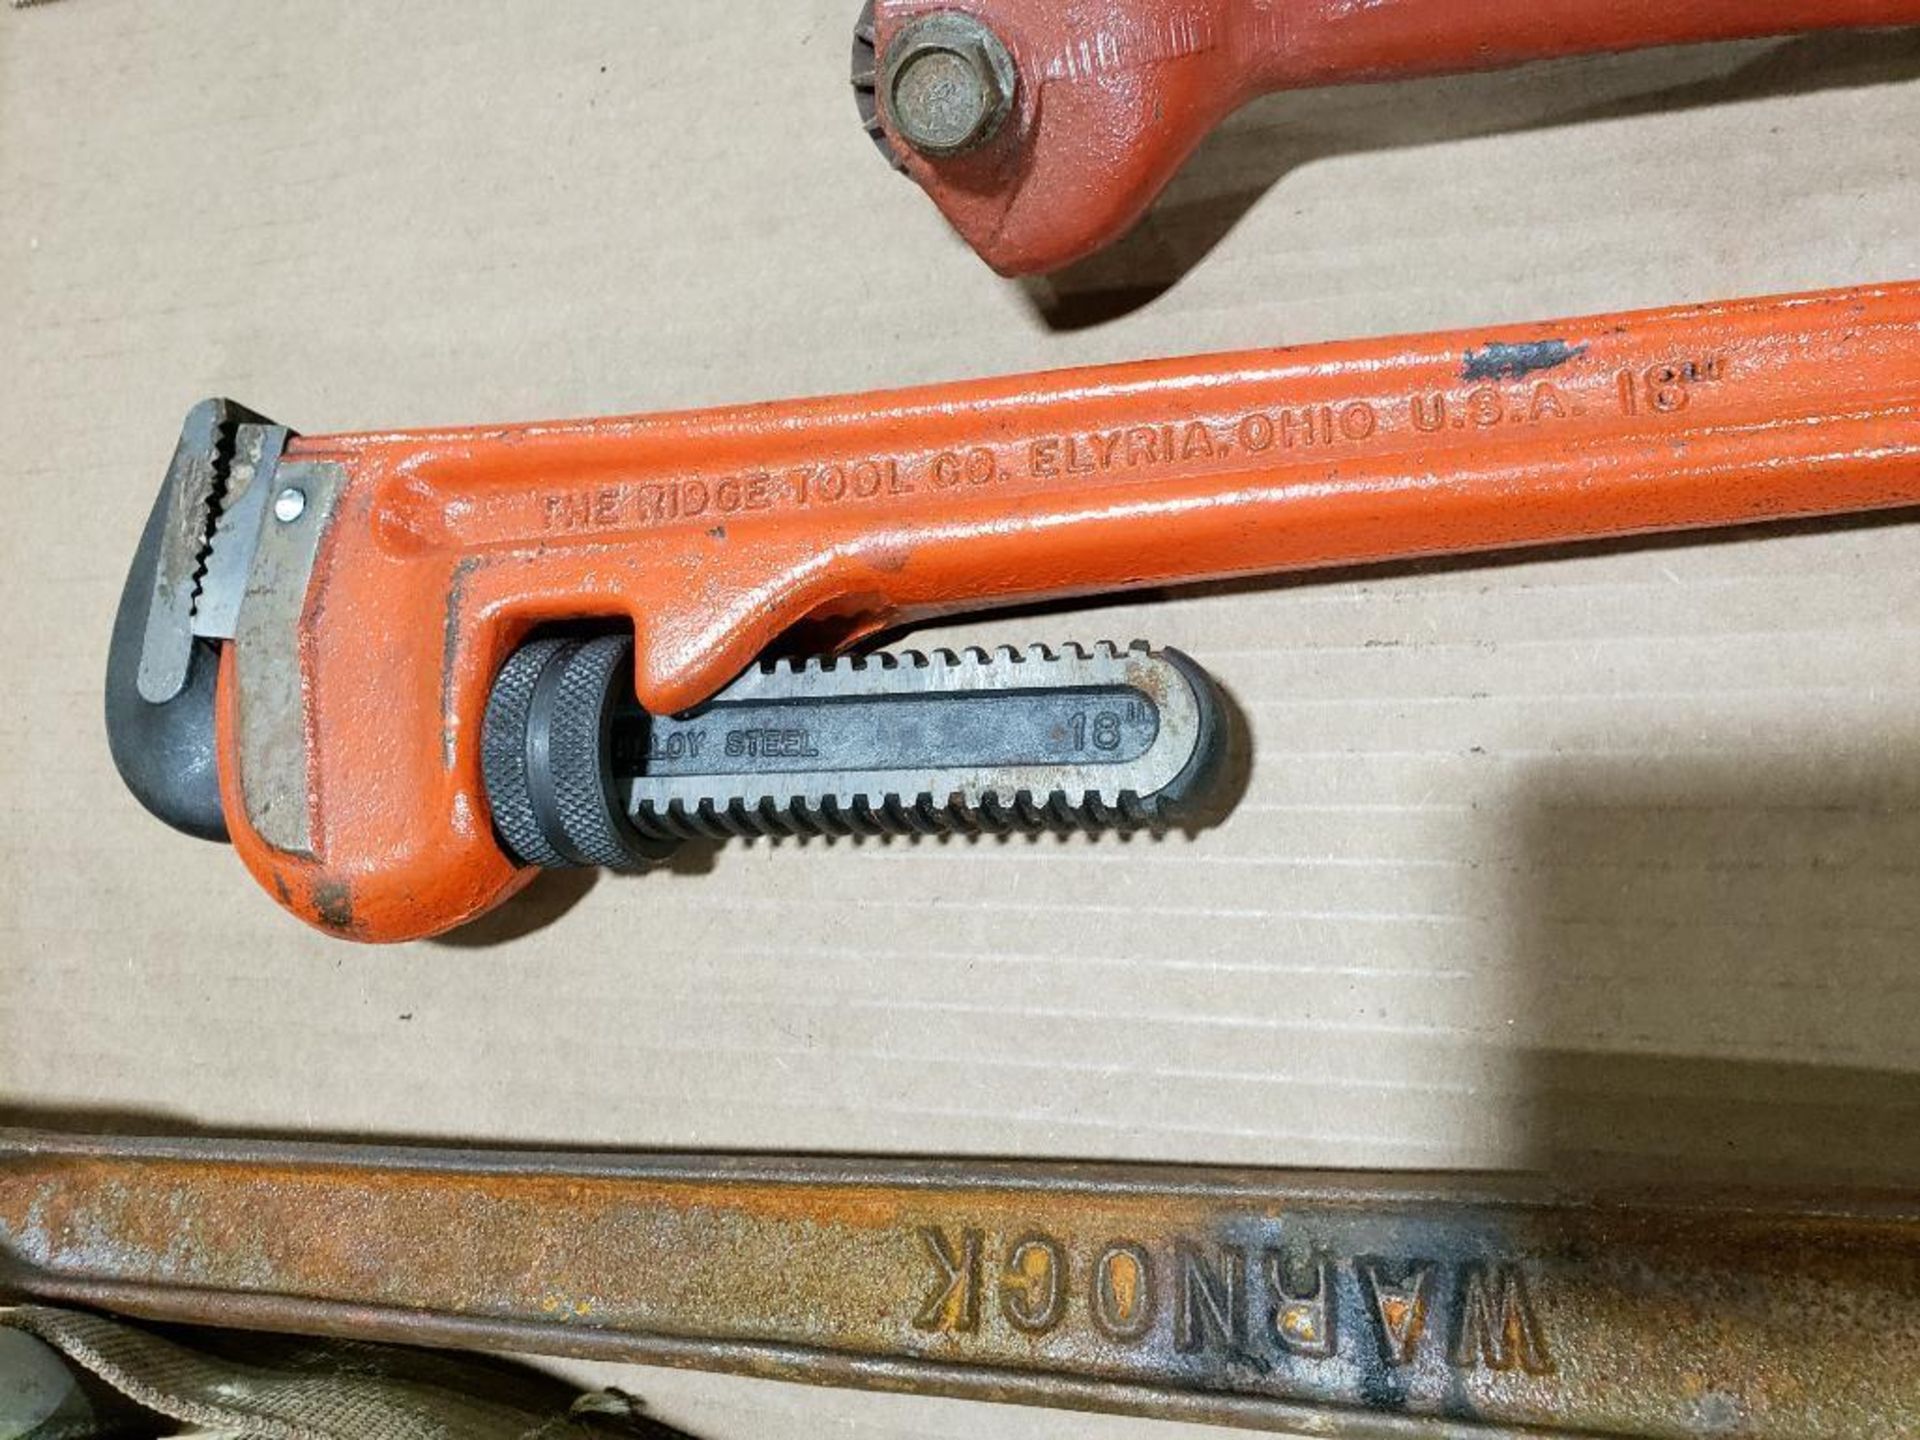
x=949 y=83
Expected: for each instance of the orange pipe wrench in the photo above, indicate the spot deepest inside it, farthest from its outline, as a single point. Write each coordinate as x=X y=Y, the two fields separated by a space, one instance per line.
x=315 y=626
x=1044 y=128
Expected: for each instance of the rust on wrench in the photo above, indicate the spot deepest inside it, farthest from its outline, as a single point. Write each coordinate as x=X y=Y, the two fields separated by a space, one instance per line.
x=1385 y=1306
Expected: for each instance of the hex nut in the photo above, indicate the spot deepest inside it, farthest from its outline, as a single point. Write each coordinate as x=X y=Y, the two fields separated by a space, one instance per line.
x=948 y=83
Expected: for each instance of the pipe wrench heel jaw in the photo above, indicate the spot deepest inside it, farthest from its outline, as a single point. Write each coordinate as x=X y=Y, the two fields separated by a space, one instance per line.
x=208 y=699
x=236 y=710
x=296 y=669
x=175 y=609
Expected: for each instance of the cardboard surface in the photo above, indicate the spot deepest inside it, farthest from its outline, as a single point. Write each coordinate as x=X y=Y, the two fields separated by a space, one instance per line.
x=1603 y=859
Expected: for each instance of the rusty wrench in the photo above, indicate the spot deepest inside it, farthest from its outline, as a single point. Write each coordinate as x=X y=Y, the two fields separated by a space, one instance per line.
x=1403 y=1306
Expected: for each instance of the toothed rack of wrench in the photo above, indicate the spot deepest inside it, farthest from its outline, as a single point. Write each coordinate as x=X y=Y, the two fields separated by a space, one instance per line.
x=402 y=670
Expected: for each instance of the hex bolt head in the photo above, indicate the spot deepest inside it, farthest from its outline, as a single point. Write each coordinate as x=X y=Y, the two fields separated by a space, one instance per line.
x=948 y=83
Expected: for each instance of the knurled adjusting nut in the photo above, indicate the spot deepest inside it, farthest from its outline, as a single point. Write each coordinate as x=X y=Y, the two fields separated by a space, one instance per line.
x=948 y=83
x=547 y=756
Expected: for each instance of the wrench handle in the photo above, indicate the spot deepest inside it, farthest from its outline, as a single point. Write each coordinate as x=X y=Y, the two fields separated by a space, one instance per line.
x=1393 y=1305
x=1115 y=94
x=1390 y=450
x=1336 y=42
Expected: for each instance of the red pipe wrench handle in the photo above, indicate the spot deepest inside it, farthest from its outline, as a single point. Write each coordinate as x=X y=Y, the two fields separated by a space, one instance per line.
x=1111 y=96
